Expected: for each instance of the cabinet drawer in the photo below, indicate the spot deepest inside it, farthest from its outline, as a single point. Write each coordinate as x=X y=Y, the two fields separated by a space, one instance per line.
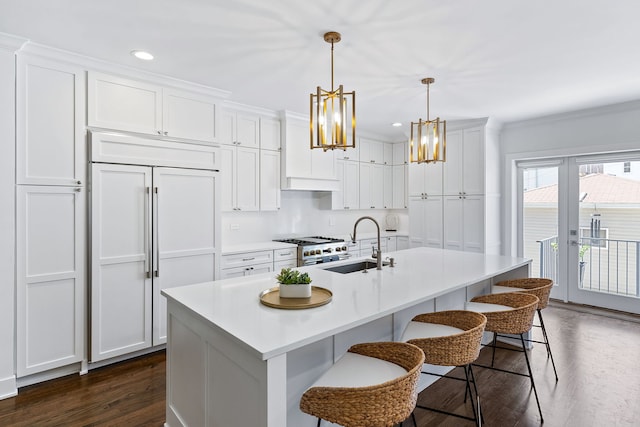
x=288 y=263
x=285 y=254
x=246 y=258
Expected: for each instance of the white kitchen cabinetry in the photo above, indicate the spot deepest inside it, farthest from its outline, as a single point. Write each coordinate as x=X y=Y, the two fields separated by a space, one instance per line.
x=425 y=178
x=391 y=243
x=371 y=186
x=400 y=155
x=135 y=106
x=240 y=178
x=50 y=246
x=464 y=223
x=270 y=170
x=304 y=168
x=387 y=154
x=399 y=193
x=351 y=154
x=464 y=170
x=241 y=129
x=468 y=188
x=347 y=197
x=50 y=143
x=152 y=228
x=425 y=221
x=285 y=258
x=269 y=180
x=270 y=136
x=371 y=151
x=50 y=214
x=388 y=186
x=246 y=264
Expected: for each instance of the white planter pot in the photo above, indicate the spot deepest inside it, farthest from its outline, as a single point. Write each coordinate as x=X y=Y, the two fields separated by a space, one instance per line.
x=295 y=291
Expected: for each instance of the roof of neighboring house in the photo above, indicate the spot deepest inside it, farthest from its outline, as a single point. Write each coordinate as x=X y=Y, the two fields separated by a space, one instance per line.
x=599 y=188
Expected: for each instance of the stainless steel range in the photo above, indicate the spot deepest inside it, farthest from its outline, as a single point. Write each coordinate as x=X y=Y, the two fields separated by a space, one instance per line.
x=318 y=249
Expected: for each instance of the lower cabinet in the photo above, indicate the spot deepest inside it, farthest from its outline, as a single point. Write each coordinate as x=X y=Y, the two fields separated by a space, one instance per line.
x=285 y=258
x=246 y=264
x=464 y=223
x=425 y=221
x=402 y=242
x=50 y=246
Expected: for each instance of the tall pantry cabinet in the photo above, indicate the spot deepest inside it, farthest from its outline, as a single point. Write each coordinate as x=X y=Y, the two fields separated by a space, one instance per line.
x=455 y=204
x=50 y=214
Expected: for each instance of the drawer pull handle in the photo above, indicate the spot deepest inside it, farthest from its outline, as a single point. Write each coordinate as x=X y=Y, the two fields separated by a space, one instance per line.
x=248 y=259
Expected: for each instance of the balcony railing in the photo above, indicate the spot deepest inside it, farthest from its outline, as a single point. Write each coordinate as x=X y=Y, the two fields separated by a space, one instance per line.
x=606 y=265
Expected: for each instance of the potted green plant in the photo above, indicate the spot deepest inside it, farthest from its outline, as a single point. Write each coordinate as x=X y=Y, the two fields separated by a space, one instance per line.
x=294 y=284
x=583 y=249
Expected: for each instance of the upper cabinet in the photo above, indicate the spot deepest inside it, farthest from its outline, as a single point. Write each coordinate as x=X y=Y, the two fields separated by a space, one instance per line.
x=270 y=133
x=371 y=151
x=135 y=106
x=239 y=128
x=50 y=132
x=464 y=172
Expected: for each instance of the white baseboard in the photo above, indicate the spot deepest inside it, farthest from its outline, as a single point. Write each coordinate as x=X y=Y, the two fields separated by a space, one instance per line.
x=8 y=387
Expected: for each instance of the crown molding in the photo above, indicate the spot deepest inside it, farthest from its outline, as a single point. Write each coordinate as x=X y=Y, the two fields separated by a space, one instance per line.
x=11 y=43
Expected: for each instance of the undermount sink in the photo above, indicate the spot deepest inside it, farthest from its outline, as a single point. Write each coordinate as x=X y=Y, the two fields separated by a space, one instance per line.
x=355 y=266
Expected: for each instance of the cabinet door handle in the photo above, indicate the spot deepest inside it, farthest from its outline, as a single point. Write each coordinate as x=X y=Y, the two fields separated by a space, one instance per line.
x=159 y=133
x=78 y=189
x=166 y=133
x=157 y=227
x=287 y=254
x=79 y=182
x=248 y=259
x=147 y=233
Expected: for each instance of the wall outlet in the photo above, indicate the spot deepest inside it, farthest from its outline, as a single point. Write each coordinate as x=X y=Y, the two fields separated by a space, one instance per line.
x=332 y=220
x=235 y=226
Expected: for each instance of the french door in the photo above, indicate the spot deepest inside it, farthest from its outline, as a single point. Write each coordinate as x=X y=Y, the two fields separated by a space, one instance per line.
x=579 y=220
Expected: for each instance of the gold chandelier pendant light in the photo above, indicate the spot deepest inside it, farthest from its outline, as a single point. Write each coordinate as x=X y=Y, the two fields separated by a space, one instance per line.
x=332 y=112
x=428 y=141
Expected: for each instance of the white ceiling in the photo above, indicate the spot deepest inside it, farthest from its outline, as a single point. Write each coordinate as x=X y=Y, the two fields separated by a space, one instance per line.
x=506 y=59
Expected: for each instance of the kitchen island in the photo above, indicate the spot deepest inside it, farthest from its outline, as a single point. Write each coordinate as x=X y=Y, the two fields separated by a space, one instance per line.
x=232 y=361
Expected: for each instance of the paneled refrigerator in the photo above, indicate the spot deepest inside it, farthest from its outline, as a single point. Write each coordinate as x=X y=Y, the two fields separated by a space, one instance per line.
x=152 y=227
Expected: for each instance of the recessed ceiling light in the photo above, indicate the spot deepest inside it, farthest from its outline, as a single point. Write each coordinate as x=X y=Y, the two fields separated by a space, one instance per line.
x=396 y=124
x=141 y=54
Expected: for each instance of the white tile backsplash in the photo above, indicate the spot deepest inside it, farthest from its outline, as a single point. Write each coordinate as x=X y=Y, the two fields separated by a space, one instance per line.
x=302 y=213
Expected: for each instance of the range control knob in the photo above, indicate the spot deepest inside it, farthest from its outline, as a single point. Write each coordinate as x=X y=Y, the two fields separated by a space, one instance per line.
x=318 y=251
x=306 y=253
x=344 y=248
x=338 y=249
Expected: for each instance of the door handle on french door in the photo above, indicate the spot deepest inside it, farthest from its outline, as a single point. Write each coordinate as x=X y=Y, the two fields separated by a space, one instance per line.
x=147 y=233
x=156 y=262
x=573 y=242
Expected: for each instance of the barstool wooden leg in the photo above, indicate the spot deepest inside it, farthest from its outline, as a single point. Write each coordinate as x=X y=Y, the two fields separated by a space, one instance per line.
x=495 y=341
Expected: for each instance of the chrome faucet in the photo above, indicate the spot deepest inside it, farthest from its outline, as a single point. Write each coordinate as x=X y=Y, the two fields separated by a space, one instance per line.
x=377 y=254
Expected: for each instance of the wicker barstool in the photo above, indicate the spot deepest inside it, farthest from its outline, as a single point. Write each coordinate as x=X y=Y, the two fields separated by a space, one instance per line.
x=539 y=287
x=508 y=313
x=372 y=385
x=449 y=338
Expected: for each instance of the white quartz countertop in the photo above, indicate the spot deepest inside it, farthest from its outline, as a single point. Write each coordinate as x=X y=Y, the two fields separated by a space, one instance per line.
x=233 y=305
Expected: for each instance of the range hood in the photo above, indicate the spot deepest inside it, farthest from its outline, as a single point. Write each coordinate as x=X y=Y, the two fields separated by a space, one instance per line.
x=303 y=168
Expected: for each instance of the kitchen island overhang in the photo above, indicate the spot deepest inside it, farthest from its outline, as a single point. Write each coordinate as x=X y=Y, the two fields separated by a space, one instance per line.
x=220 y=327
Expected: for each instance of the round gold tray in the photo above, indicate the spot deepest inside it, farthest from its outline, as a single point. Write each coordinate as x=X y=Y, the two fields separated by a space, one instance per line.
x=319 y=296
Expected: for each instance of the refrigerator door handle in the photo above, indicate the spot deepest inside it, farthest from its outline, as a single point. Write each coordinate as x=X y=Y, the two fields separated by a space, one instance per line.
x=147 y=232
x=156 y=261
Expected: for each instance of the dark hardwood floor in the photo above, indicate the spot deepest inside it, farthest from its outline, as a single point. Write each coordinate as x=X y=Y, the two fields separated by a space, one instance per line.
x=596 y=356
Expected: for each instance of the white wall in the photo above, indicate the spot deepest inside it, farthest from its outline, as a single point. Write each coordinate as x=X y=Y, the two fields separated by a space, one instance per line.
x=8 y=45
x=599 y=130
x=302 y=213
